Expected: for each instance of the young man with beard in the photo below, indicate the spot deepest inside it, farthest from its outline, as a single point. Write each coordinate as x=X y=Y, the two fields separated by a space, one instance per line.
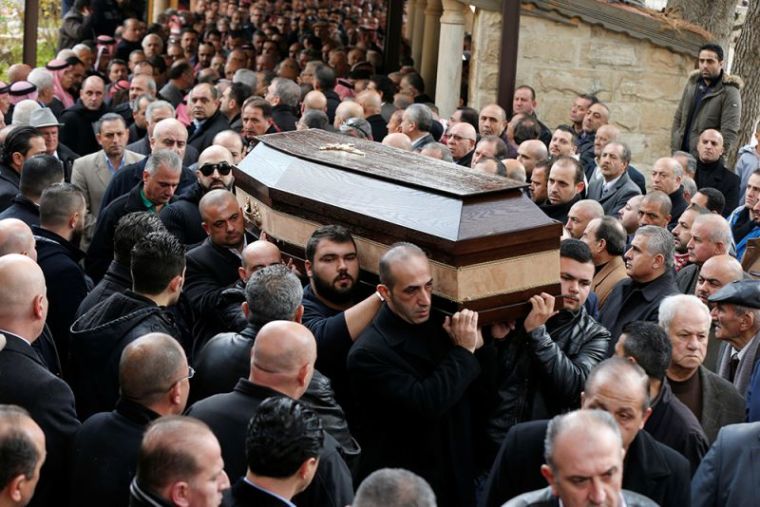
x=62 y=217
x=332 y=310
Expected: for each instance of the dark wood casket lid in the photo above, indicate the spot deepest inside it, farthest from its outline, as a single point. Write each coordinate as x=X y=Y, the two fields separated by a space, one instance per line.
x=491 y=245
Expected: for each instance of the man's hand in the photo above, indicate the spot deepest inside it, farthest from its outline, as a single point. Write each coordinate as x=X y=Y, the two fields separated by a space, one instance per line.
x=543 y=310
x=500 y=330
x=462 y=327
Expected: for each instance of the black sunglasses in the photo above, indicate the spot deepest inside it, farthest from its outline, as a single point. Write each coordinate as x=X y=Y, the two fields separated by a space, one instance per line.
x=222 y=167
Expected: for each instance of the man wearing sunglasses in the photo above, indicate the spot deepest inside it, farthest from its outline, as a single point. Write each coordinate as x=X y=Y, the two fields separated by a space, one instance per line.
x=182 y=217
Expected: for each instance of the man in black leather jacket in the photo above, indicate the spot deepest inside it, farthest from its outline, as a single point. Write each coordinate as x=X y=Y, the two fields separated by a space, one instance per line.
x=544 y=363
x=272 y=293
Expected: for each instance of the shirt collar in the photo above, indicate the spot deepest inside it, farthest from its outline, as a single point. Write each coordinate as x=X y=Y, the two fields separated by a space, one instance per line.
x=288 y=502
x=149 y=205
x=110 y=165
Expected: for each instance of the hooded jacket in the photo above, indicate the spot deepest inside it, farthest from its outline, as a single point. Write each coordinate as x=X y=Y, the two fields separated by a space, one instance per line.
x=97 y=340
x=719 y=109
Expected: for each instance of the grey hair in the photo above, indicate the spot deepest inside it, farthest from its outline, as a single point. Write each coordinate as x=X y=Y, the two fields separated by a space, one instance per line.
x=273 y=293
x=662 y=200
x=136 y=103
x=158 y=104
x=245 y=76
x=625 y=151
x=744 y=310
x=394 y=487
x=689 y=185
x=674 y=165
x=441 y=149
x=166 y=158
x=660 y=243
x=670 y=305
x=41 y=78
x=580 y=418
x=22 y=113
x=719 y=229
x=149 y=81
x=691 y=161
x=420 y=115
x=288 y=91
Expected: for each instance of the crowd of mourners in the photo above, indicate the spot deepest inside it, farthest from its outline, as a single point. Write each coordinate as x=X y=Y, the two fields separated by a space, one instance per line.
x=158 y=349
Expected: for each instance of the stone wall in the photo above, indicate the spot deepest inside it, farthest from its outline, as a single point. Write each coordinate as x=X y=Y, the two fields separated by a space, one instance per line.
x=641 y=82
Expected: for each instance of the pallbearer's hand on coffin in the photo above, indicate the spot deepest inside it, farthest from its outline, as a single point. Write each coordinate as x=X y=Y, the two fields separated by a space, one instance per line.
x=543 y=310
x=462 y=327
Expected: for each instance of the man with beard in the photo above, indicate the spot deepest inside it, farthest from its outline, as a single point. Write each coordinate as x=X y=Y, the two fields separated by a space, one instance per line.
x=182 y=217
x=62 y=216
x=682 y=234
x=332 y=308
x=212 y=267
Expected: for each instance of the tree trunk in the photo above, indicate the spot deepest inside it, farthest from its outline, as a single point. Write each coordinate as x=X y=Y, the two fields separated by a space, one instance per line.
x=715 y=16
x=746 y=65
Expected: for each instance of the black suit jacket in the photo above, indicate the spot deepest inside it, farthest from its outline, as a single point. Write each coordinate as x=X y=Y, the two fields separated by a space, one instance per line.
x=210 y=270
x=201 y=138
x=66 y=283
x=9 y=182
x=629 y=301
x=283 y=118
x=651 y=468
x=23 y=209
x=715 y=175
x=242 y=494
x=228 y=415
x=379 y=127
x=25 y=381
x=130 y=175
x=104 y=455
x=411 y=385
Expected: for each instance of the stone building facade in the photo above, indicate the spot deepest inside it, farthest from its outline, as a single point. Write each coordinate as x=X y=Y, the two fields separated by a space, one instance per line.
x=635 y=64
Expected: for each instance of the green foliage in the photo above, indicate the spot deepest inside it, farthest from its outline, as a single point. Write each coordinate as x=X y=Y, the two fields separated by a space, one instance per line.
x=12 y=27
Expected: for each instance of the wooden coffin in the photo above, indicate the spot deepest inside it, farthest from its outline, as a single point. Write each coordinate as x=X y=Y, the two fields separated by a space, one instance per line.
x=491 y=248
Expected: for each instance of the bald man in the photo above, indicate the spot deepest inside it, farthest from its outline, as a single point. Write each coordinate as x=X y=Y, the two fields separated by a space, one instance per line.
x=26 y=381
x=372 y=104
x=346 y=110
x=461 y=141
x=710 y=236
x=398 y=140
x=168 y=134
x=712 y=173
x=212 y=266
x=314 y=101
x=281 y=364
x=182 y=217
x=22 y=445
x=16 y=237
x=233 y=141
x=104 y=453
x=531 y=152
x=579 y=216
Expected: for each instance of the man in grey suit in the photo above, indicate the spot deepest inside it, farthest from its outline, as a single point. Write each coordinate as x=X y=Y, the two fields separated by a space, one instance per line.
x=737 y=324
x=728 y=474
x=615 y=187
x=92 y=173
x=714 y=401
x=587 y=444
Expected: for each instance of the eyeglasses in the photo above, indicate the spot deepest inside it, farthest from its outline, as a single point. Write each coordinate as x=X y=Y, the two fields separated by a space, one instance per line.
x=190 y=374
x=223 y=168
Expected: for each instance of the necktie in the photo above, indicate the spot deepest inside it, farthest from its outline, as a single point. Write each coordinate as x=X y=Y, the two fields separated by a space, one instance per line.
x=733 y=365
